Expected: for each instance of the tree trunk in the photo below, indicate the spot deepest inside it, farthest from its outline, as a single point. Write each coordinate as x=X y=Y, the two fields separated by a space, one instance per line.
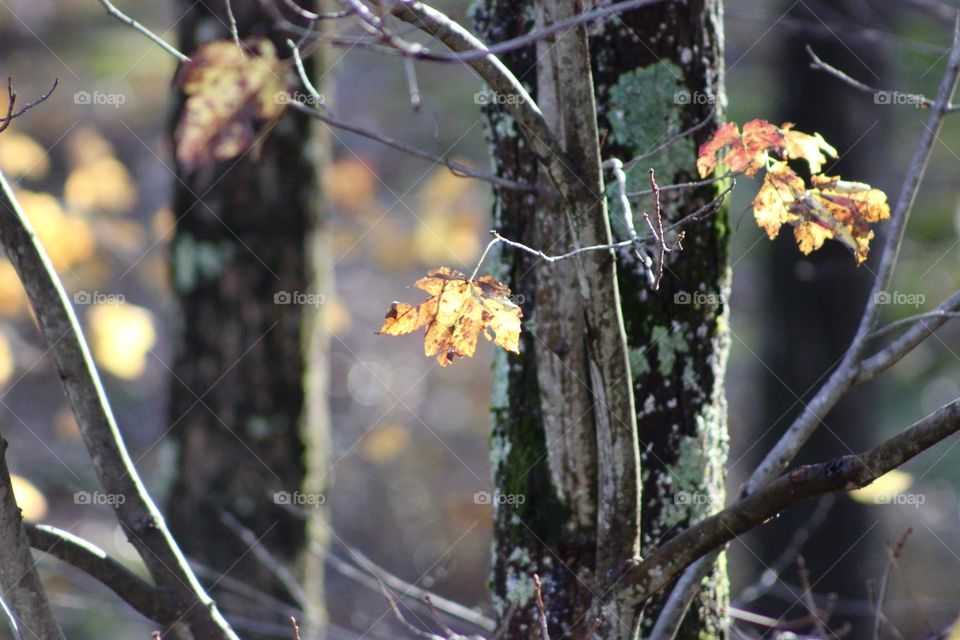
x=248 y=406
x=656 y=73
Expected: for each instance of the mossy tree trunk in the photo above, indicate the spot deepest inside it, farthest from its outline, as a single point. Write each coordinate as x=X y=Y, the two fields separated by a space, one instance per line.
x=656 y=72
x=248 y=405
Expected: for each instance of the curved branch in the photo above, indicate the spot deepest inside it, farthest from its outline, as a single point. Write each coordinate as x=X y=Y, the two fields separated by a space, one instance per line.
x=96 y=563
x=19 y=580
x=136 y=513
x=845 y=473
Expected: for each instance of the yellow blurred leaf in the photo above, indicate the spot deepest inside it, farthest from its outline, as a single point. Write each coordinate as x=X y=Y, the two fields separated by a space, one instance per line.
x=232 y=95
x=7 y=364
x=350 y=184
x=67 y=239
x=121 y=335
x=65 y=425
x=101 y=185
x=385 y=443
x=883 y=488
x=163 y=223
x=22 y=157
x=13 y=299
x=29 y=498
x=450 y=215
x=337 y=317
x=85 y=146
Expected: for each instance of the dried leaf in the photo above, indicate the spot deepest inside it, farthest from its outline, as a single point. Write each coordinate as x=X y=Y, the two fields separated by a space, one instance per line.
x=832 y=208
x=232 y=94
x=812 y=148
x=748 y=151
x=455 y=314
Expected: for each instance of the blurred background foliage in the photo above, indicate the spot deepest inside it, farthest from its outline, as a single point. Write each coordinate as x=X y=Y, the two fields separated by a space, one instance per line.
x=409 y=454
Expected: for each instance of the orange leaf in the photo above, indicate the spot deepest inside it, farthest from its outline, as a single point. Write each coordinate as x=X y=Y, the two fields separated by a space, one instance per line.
x=455 y=314
x=231 y=94
x=832 y=208
x=748 y=151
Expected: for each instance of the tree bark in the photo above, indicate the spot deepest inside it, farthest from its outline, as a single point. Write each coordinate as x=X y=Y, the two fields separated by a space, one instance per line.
x=546 y=443
x=248 y=406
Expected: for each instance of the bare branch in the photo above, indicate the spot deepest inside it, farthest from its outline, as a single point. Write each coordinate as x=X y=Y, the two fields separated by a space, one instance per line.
x=921 y=100
x=130 y=22
x=12 y=99
x=458 y=168
x=19 y=580
x=96 y=563
x=542 y=618
x=137 y=513
x=845 y=473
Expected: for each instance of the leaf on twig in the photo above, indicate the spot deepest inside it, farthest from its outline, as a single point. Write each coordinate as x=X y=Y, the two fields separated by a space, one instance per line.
x=455 y=314
x=831 y=208
x=748 y=151
x=231 y=94
x=827 y=208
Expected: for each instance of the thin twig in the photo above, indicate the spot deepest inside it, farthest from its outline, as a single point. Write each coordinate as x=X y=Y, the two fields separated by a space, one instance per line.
x=232 y=19
x=542 y=617
x=12 y=98
x=818 y=623
x=130 y=22
x=412 y=85
x=457 y=168
x=921 y=100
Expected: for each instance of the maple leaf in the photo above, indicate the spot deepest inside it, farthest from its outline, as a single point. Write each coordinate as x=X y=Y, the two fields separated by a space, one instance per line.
x=231 y=94
x=812 y=148
x=455 y=314
x=748 y=151
x=831 y=208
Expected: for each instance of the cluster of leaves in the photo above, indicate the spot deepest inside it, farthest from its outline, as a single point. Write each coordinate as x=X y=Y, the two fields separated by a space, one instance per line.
x=455 y=314
x=827 y=208
x=232 y=93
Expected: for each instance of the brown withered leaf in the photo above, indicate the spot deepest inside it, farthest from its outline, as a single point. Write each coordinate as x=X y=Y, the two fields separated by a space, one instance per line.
x=456 y=313
x=831 y=208
x=231 y=95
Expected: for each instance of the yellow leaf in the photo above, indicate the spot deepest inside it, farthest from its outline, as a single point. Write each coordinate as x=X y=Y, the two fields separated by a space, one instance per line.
x=85 y=146
x=29 y=498
x=22 y=157
x=121 y=335
x=748 y=152
x=812 y=148
x=7 y=363
x=101 y=185
x=449 y=216
x=457 y=311
x=67 y=239
x=13 y=299
x=386 y=442
x=232 y=95
x=350 y=185
x=831 y=209
x=883 y=488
